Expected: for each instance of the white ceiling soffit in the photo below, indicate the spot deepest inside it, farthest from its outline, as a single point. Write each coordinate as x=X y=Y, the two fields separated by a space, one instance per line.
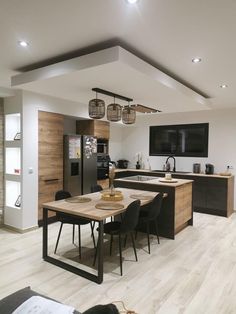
x=6 y=92
x=114 y=69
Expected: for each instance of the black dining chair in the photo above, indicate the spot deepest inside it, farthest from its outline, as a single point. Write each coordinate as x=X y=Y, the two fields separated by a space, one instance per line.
x=96 y=188
x=150 y=214
x=124 y=227
x=70 y=219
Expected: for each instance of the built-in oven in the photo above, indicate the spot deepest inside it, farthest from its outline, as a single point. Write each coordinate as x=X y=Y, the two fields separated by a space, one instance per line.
x=102 y=166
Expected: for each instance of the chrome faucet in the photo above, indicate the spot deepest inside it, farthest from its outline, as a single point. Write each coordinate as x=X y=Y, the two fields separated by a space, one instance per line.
x=167 y=162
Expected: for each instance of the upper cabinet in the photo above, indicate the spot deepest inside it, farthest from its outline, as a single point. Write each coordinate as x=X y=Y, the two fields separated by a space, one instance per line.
x=98 y=128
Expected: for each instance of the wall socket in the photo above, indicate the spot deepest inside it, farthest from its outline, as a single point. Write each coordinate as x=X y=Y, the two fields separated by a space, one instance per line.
x=230 y=167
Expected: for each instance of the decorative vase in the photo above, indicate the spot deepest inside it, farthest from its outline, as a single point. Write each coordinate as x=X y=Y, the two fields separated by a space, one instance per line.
x=112 y=189
x=138 y=166
x=112 y=177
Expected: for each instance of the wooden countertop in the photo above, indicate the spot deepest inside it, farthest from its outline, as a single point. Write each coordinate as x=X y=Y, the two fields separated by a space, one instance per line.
x=88 y=210
x=157 y=182
x=150 y=172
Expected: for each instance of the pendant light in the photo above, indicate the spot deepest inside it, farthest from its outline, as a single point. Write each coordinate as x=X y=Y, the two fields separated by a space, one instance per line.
x=96 y=108
x=128 y=115
x=114 y=112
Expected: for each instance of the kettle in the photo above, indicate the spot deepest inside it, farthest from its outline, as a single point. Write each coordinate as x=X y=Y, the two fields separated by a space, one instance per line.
x=122 y=163
x=209 y=169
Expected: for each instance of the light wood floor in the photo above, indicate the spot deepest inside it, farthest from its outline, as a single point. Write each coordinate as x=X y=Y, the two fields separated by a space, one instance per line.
x=195 y=273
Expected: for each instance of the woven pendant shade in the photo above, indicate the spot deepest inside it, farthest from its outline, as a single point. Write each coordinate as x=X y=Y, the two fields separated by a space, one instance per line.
x=128 y=115
x=96 y=108
x=114 y=112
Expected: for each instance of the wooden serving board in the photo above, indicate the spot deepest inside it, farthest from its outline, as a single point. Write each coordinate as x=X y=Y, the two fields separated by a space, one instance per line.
x=77 y=199
x=168 y=181
x=141 y=197
x=108 y=197
x=109 y=206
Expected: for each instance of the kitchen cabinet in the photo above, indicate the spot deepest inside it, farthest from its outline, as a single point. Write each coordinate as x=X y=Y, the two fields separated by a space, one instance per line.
x=199 y=194
x=50 y=158
x=100 y=129
x=216 y=195
x=211 y=194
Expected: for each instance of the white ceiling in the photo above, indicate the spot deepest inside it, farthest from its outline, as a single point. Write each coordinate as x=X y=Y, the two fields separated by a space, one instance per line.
x=166 y=33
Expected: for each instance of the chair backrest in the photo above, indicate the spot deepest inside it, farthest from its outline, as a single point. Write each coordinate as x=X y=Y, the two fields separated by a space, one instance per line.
x=61 y=195
x=155 y=207
x=96 y=188
x=130 y=218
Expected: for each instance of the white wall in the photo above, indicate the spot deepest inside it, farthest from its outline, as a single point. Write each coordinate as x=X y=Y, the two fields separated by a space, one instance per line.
x=222 y=134
x=115 y=143
x=222 y=130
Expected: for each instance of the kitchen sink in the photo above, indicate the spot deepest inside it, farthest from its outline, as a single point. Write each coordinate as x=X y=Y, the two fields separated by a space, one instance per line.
x=164 y=171
x=139 y=178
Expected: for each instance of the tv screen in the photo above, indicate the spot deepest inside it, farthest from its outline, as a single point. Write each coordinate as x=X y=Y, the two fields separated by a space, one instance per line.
x=179 y=140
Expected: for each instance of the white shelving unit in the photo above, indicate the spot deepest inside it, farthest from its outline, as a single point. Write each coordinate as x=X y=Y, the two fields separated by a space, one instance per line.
x=13 y=190
x=12 y=126
x=13 y=168
x=13 y=160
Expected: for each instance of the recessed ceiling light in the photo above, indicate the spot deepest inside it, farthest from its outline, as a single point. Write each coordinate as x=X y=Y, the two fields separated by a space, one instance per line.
x=196 y=60
x=23 y=43
x=223 y=86
x=131 y=1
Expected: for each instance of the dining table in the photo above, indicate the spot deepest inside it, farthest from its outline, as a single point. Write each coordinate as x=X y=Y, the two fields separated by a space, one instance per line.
x=94 y=208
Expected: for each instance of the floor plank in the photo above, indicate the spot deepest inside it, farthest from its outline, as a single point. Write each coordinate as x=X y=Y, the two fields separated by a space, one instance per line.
x=195 y=273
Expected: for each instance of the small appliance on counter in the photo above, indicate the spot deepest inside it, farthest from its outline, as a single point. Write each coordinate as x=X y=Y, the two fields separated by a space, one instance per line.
x=103 y=166
x=209 y=169
x=122 y=163
x=196 y=168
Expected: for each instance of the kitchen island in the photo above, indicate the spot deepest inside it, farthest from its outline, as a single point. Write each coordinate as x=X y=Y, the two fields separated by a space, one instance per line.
x=177 y=212
x=212 y=193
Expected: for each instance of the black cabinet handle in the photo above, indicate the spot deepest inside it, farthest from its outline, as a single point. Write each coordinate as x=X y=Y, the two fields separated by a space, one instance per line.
x=50 y=180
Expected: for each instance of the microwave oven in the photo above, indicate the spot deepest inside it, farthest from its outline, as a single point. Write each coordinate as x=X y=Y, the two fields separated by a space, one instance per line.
x=102 y=148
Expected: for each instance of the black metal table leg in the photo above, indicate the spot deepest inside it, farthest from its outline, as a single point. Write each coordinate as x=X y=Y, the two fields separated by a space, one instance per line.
x=100 y=252
x=76 y=270
x=45 y=232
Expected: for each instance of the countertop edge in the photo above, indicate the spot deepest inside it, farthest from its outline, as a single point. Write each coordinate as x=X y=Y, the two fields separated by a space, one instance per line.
x=178 y=173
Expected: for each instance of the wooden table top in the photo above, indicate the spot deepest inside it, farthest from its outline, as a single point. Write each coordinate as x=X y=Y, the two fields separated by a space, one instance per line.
x=88 y=209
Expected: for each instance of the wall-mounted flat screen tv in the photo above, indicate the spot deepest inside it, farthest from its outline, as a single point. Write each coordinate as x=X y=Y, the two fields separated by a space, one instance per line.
x=179 y=140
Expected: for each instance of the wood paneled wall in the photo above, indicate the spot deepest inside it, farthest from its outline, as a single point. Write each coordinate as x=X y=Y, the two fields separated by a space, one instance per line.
x=1 y=155
x=50 y=157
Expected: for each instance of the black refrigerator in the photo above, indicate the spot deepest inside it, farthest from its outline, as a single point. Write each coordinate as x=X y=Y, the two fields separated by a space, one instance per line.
x=80 y=163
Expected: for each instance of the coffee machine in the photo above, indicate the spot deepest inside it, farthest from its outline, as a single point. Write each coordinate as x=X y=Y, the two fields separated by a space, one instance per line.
x=209 y=169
